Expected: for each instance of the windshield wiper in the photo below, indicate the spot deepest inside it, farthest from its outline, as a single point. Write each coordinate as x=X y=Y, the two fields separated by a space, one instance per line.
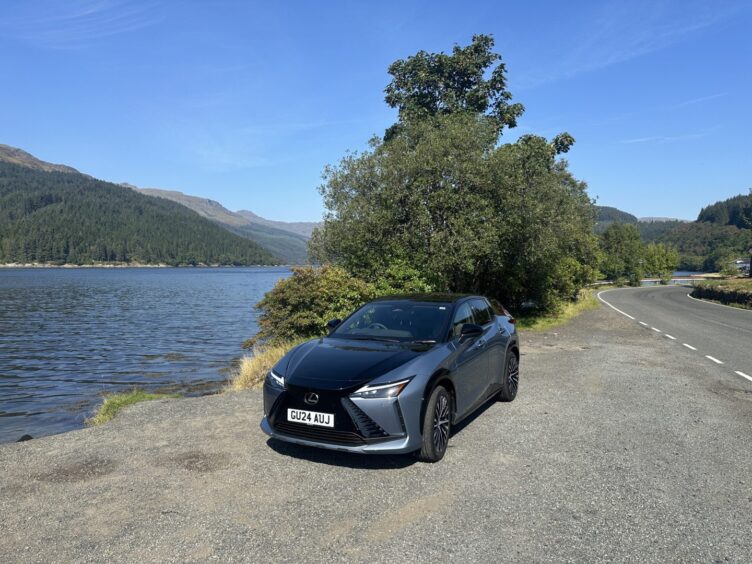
x=372 y=338
x=423 y=342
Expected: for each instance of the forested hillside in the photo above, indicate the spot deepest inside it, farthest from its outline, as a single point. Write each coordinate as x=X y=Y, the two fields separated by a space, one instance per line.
x=722 y=232
x=736 y=211
x=283 y=242
x=64 y=217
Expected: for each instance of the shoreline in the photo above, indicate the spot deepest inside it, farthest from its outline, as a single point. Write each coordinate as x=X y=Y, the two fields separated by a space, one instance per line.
x=138 y=265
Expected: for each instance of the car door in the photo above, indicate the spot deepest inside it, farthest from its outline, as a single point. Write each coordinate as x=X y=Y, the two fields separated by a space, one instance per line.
x=471 y=365
x=496 y=347
x=487 y=346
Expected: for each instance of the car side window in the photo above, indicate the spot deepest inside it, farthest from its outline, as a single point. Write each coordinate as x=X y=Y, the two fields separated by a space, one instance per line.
x=463 y=315
x=482 y=312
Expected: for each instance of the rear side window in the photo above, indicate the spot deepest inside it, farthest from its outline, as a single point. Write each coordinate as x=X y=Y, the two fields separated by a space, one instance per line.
x=482 y=312
x=463 y=315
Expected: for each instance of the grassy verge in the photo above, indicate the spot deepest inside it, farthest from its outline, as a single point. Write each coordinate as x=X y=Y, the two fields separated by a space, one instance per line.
x=735 y=292
x=586 y=301
x=113 y=403
x=253 y=369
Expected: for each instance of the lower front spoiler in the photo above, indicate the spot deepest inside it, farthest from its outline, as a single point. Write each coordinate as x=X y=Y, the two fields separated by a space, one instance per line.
x=399 y=445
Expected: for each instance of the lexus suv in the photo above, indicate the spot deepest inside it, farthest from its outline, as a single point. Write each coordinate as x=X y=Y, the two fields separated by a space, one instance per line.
x=395 y=376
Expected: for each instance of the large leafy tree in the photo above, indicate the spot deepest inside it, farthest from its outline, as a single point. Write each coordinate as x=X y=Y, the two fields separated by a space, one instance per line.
x=440 y=194
x=623 y=256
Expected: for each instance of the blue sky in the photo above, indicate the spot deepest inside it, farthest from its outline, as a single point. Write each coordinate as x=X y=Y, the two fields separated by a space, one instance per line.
x=246 y=102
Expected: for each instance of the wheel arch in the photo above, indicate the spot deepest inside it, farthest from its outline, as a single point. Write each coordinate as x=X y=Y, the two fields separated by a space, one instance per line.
x=441 y=377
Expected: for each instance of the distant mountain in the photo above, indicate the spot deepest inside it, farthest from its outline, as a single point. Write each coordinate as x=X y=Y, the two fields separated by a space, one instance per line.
x=304 y=228
x=606 y=214
x=660 y=219
x=13 y=155
x=289 y=246
x=60 y=216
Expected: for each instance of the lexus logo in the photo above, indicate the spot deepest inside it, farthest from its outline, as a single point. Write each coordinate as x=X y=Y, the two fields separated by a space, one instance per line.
x=311 y=398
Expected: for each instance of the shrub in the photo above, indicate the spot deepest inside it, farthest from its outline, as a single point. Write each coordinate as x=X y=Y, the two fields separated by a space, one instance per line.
x=299 y=307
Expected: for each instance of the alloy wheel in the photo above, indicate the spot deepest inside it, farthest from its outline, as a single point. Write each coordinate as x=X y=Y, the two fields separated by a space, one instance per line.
x=441 y=423
x=513 y=374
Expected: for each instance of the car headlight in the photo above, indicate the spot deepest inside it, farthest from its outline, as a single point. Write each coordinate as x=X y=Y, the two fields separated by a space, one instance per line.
x=275 y=380
x=381 y=391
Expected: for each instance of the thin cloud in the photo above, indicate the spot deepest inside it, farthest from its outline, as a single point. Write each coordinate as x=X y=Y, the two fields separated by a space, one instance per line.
x=699 y=100
x=625 y=31
x=663 y=138
x=73 y=24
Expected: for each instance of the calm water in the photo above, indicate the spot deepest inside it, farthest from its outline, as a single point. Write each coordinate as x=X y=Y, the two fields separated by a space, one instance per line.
x=68 y=335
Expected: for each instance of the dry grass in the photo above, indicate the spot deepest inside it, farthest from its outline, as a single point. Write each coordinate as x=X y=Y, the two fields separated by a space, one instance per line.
x=253 y=369
x=568 y=311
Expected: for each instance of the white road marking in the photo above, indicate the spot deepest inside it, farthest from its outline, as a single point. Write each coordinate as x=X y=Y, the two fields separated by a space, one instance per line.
x=690 y=347
x=614 y=308
x=743 y=375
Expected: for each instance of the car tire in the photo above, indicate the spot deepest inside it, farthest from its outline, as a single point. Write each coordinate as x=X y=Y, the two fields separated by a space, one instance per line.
x=511 y=380
x=437 y=425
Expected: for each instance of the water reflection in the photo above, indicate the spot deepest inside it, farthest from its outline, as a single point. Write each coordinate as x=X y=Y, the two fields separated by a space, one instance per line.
x=68 y=335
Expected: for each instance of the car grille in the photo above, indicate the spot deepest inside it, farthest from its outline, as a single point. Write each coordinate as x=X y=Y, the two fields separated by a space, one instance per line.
x=318 y=433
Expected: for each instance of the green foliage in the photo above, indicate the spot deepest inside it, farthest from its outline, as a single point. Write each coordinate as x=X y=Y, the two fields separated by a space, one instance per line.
x=622 y=253
x=300 y=306
x=654 y=231
x=736 y=211
x=401 y=278
x=661 y=260
x=707 y=245
x=471 y=80
x=468 y=215
x=63 y=217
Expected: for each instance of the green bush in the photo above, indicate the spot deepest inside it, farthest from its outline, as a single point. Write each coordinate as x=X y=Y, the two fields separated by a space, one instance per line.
x=300 y=306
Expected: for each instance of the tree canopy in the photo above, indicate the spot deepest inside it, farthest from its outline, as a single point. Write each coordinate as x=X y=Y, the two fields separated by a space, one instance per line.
x=440 y=194
x=471 y=79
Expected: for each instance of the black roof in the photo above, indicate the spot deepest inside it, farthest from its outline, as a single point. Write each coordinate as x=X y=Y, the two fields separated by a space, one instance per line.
x=436 y=297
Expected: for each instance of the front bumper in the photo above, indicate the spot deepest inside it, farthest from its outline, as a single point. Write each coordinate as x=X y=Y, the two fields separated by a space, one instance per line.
x=383 y=426
x=400 y=445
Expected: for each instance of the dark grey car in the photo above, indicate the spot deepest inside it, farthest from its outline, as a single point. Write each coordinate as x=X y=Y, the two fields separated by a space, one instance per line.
x=395 y=376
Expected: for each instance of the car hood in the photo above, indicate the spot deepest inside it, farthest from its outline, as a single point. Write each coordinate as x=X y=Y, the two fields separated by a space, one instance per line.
x=338 y=364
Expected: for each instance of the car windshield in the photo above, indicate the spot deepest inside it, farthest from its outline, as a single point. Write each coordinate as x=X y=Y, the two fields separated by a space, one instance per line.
x=396 y=321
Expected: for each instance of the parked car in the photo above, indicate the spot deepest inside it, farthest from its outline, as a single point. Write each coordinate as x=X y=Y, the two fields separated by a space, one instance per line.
x=395 y=376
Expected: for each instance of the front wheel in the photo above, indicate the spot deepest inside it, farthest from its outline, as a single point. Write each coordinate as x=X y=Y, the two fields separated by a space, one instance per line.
x=436 y=425
x=511 y=378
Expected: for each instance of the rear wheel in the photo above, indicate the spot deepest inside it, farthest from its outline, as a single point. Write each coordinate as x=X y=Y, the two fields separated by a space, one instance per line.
x=511 y=378
x=436 y=425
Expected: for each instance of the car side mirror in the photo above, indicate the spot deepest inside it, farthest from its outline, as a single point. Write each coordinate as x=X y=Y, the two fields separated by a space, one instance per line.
x=470 y=331
x=332 y=324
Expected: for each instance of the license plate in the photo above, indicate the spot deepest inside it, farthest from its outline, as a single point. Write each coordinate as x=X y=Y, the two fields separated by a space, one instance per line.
x=310 y=417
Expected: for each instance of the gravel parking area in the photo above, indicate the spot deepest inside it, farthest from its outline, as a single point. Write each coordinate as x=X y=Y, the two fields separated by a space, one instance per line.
x=617 y=448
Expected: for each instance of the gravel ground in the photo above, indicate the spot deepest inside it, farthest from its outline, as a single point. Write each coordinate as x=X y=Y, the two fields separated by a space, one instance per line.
x=618 y=448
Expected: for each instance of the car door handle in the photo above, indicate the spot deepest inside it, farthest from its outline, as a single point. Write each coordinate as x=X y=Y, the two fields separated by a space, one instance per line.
x=481 y=343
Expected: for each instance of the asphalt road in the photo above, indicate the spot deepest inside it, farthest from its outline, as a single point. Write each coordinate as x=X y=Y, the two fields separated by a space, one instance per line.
x=622 y=446
x=721 y=334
